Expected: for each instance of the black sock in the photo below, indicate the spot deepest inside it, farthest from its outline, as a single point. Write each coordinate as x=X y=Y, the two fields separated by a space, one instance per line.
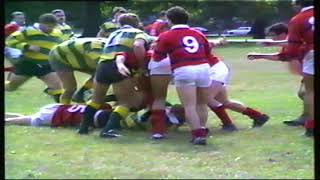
x=113 y=122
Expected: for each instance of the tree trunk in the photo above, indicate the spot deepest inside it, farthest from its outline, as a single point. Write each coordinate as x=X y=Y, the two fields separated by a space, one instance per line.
x=93 y=19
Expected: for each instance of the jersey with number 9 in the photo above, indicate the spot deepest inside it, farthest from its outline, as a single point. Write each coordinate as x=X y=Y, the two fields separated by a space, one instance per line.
x=185 y=46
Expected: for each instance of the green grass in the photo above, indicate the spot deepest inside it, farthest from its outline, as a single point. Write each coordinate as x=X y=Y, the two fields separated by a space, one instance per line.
x=273 y=151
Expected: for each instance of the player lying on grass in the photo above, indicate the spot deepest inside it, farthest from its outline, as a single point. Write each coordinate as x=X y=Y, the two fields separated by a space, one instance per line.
x=279 y=31
x=59 y=115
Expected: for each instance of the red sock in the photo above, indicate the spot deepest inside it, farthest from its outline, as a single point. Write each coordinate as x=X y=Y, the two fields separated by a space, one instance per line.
x=251 y=113
x=222 y=114
x=309 y=124
x=199 y=133
x=158 y=121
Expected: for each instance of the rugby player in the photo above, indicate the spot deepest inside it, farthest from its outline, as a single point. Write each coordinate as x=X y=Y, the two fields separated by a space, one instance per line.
x=300 y=34
x=35 y=42
x=160 y=25
x=126 y=39
x=110 y=26
x=80 y=54
x=279 y=31
x=65 y=28
x=189 y=61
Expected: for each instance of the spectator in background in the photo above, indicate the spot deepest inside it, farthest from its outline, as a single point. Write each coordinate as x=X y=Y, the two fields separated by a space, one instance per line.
x=110 y=26
x=18 y=18
x=65 y=28
x=159 y=26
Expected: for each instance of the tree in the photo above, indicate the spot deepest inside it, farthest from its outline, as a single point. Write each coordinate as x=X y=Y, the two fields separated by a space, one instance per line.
x=92 y=19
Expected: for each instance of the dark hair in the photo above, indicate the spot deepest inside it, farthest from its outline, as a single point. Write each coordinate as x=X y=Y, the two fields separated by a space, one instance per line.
x=178 y=15
x=162 y=13
x=277 y=28
x=48 y=18
x=304 y=3
x=16 y=13
x=129 y=19
x=118 y=9
x=56 y=11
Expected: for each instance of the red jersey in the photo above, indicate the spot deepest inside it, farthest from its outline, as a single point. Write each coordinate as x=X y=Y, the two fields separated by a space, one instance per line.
x=10 y=28
x=70 y=115
x=158 y=27
x=301 y=29
x=183 y=45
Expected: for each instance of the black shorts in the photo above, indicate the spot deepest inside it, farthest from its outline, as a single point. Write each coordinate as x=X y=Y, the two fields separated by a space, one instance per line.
x=107 y=73
x=28 y=68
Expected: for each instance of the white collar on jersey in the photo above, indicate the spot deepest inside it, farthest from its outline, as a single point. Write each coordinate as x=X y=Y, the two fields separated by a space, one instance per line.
x=177 y=26
x=306 y=8
x=160 y=20
x=126 y=26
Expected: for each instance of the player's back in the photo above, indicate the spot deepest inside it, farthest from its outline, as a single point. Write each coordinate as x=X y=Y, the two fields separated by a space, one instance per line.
x=304 y=22
x=68 y=115
x=185 y=46
x=81 y=53
x=122 y=40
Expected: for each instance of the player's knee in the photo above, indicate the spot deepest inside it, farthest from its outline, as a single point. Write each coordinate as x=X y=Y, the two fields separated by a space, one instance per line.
x=301 y=94
x=9 y=86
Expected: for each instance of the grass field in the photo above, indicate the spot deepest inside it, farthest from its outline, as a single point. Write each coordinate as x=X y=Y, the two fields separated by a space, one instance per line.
x=273 y=151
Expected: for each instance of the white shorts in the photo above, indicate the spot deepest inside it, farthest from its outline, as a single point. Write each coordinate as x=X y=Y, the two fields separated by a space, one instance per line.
x=220 y=72
x=308 y=63
x=44 y=116
x=193 y=75
x=162 y=67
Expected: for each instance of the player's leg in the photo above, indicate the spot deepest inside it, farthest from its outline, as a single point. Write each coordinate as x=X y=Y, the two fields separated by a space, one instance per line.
x=18 y=120
x=160 y=78
x=124 y=91
x=15 y=81
x=69 y=84
x=106 y=74
x=301 y=119
x=258 y=118
x=80 y=93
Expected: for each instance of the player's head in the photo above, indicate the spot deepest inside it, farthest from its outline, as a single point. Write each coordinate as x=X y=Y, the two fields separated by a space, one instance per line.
x=19 y=18
x=47 y=22
x=178 y=112
x=117 y=11
x=129 y=19
x=162 y=14
x=299 y=4
x=100 y=118
x=60 y=15
x=278 y=31
x=177 y=15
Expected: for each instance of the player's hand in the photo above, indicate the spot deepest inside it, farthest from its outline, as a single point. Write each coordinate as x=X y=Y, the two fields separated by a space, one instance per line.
x=223 y=41
x=34 y=48
x=123 y=69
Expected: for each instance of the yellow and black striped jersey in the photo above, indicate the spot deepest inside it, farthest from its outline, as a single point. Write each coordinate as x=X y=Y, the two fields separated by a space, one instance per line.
x=32 y=35
x=122 y=40
x=109 y=27
x=66 y=31
x=80 y=53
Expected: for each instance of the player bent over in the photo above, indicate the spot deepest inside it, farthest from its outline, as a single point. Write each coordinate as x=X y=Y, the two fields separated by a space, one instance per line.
x=126 y=39
x=81 y=54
